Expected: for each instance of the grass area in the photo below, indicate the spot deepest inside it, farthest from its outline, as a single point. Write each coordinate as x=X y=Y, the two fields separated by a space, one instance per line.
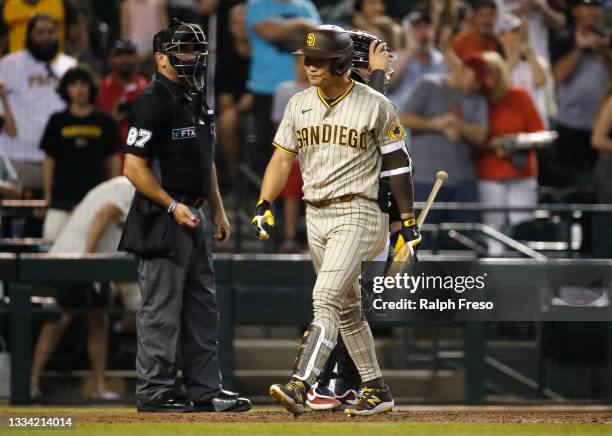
x=319 y=429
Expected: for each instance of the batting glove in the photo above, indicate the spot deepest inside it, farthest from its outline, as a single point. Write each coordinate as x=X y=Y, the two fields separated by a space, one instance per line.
x=263 y=220
x=408 y=234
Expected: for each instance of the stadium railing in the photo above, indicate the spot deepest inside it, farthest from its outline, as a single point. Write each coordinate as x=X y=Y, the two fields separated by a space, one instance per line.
x=251 y=290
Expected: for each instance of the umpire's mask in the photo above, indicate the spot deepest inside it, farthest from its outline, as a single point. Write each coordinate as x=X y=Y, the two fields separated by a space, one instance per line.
x=188 y=50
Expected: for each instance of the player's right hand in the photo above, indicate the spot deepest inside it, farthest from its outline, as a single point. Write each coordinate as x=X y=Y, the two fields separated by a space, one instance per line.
x=263 y=220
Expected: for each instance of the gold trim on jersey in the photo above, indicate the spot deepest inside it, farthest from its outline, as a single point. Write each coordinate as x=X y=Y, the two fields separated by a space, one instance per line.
x=339 y=99
x=280 y=147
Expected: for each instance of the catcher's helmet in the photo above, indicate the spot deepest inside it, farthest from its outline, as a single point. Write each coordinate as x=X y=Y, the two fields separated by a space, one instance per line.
x=361 y=55
x=186 y=45
x=329 y=42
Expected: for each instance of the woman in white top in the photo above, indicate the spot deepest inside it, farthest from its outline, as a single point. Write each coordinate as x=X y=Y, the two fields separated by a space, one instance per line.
x=527 y=69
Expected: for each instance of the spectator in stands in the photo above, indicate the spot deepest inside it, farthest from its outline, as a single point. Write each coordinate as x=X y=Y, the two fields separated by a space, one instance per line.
x=140 y=20
x=93 y=227
x=448 y=16
x=234 y=100
x=275 y=27
x=541 y=17
x=527 y=69
x=369 y=16
x=7 y=120
x=78 y=142
x=447 y=118
x=419 y=57
x=121 y=87
x=479 y=36
x=364 y=13
x=389 y=30
x=184 y=10
x=292 y=192
x=78 y=44
x=582 y=63
x=30 y=78
x=15 y=14
x=602 y=142
x=220 y=10
x=507 y=178
x=10 y=186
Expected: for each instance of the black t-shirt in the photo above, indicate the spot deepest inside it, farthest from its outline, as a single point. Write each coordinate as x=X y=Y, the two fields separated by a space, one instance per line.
x=79 y=146
x=164 y=129
x=232 y=74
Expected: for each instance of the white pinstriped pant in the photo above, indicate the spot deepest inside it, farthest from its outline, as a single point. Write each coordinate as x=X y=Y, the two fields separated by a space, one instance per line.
x=340 y=237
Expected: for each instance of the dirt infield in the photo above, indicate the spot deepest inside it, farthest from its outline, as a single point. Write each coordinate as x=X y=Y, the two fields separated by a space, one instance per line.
x=431 y=414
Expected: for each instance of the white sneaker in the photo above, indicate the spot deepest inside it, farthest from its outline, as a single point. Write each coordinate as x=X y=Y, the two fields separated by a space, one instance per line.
x=105 y=395
x=35 y=393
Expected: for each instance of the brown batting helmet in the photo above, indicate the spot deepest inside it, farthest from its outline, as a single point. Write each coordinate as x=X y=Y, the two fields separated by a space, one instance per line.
x=329 y=42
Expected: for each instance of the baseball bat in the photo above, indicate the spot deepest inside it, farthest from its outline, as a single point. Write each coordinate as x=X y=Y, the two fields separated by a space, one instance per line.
x=406 y=252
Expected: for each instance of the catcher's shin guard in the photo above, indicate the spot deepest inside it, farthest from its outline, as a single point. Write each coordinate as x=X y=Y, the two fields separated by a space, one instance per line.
x=306 y=359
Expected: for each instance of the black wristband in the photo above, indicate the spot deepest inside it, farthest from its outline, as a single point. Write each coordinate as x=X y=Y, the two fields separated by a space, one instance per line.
x=263 y=204
x=377 y=80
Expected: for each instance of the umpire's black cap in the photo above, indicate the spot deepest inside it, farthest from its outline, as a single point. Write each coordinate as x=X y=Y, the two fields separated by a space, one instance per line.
x=161 y=38
x=165 y=36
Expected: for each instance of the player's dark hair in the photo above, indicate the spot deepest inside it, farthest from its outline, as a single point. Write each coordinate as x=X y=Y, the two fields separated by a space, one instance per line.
x=358 y=5
x=34 y=19
x=80 y=72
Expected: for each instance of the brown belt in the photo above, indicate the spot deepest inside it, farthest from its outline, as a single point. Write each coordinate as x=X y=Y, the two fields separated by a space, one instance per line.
x=341 y=199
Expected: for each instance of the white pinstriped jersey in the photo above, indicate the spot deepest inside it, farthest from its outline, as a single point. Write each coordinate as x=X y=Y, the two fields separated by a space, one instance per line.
x=339 y=144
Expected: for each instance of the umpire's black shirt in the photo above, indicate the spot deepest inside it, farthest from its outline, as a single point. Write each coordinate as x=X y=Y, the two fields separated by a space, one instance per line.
x=176 y=139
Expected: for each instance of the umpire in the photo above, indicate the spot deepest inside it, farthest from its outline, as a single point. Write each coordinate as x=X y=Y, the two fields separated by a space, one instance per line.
x=169 y=160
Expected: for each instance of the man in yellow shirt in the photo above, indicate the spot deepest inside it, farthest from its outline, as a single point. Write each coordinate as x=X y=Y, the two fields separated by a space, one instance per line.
x=15 y=14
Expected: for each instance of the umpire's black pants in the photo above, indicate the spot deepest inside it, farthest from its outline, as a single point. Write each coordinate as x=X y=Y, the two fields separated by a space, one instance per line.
x=177 y=323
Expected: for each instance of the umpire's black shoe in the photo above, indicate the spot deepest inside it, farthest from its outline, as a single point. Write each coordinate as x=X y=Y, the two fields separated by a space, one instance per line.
x=168 y=402
x=225 y=401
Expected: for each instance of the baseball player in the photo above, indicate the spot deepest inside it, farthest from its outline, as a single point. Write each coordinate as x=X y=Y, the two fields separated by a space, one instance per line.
x=370 y=65
x=341 y=132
